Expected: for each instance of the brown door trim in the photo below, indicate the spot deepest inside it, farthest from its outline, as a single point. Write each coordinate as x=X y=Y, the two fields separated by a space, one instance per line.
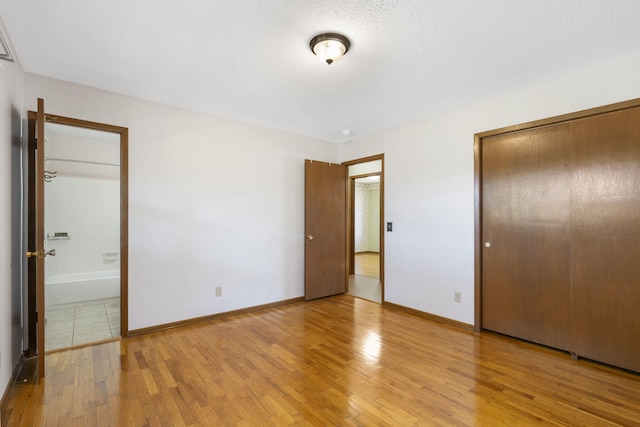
x=478 y=139
x=124 y=221
x=351 y=219
x=39 y=258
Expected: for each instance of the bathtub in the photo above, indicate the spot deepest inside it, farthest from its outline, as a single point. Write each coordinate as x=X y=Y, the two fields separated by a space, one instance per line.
x=80 y=287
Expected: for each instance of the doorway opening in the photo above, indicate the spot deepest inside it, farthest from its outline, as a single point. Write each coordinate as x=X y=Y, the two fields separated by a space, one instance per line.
x=82 y=224
x=85 y=198
x=365 y=231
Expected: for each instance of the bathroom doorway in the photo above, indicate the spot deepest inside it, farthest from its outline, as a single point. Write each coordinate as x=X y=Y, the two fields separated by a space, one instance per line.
x=82 y=225
x=84 y=299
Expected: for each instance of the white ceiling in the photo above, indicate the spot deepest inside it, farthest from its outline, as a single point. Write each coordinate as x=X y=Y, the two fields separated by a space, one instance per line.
x=249 y=60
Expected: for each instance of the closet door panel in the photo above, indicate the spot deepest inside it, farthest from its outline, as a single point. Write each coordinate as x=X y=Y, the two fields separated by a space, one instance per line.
x=605 y=239
x=526 y=183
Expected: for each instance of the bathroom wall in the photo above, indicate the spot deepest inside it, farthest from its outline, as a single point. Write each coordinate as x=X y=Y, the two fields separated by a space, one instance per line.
x=82 y=199
x=88 y=209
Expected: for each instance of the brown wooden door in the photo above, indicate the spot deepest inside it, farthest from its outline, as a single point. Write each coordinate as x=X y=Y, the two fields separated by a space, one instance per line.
x=525 y=234
x=605 y=238
x=561 y=221
x=39 y=232
x=325 y=266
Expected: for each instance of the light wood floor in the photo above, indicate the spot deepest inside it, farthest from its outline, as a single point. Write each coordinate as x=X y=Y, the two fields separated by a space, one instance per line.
x=339 y=361
x=367 y=264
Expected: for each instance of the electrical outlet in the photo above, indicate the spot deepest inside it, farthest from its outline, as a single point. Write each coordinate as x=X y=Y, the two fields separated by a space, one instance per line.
x=457 y=296
x=219 y=291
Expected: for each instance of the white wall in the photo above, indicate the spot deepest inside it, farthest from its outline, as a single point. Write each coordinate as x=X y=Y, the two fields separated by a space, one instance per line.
x=211 y=203
x=11 y=107
x=429 y=183
x=361 y=218
x=367 y=217
x=365 y=168
x=374 y=217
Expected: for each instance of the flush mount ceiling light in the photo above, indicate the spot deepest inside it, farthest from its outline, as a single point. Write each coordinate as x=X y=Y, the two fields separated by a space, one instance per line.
x=329 y=46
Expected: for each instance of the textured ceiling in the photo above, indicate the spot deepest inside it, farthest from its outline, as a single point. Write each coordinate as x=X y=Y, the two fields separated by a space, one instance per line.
x=249 y=60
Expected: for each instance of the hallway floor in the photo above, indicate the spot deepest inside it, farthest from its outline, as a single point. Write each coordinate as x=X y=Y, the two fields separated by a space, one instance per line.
x=76 y=324
x=365 y=287
x=366 y=282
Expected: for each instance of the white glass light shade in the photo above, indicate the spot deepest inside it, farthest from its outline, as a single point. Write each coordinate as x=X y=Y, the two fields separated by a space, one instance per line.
x=329 y=47
x=329 y=50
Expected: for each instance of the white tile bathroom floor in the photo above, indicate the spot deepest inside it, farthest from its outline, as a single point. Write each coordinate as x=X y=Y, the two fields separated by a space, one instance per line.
x=82 y=323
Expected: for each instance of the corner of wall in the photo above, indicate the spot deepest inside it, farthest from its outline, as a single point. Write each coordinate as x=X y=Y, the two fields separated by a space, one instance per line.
x=12 y=113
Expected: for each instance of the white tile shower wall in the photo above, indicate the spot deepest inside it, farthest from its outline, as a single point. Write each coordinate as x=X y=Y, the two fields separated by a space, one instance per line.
x=88 y=210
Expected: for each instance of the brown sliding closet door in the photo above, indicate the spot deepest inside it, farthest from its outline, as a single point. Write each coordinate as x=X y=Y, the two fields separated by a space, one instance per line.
x=605 y=238
x=525 y=232
x=560 y=229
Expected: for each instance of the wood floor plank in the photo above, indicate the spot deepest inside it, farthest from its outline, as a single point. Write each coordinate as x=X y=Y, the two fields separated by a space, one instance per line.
x=334 y=361
x=367 y=264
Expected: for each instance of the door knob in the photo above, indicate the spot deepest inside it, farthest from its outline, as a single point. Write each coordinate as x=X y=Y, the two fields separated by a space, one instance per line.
x=309 y=237
x=32 y=254
x=40 y=253
x=487 y=244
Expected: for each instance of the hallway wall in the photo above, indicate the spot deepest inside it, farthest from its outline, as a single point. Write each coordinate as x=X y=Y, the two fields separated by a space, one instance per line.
x=367 y=217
